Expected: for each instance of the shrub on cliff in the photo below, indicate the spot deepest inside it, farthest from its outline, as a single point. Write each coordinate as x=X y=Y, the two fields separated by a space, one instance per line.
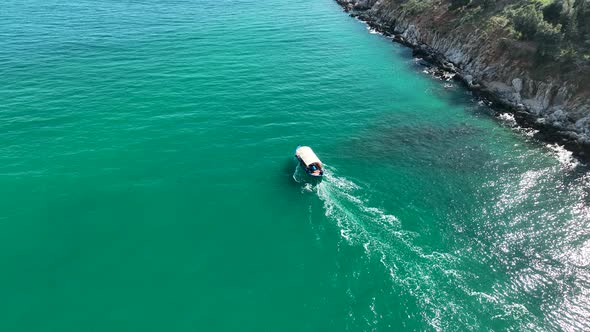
x=579 y=28
x=416 y=6
x=455 y=4
x=558 y=29
x=500 y=25
x=530 y=22
x=484 y=4
x=553 y=12
x=573 y=39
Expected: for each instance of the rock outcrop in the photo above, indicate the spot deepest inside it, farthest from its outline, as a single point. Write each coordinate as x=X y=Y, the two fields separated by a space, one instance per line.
x=496 y=67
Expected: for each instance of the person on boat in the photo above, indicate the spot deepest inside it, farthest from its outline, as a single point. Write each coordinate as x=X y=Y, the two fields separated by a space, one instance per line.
x=316 y=168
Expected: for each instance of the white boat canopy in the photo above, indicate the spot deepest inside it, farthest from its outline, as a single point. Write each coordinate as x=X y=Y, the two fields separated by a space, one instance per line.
x=306 y=154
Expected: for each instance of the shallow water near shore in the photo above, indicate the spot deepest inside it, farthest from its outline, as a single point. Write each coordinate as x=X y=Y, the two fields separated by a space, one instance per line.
x=148 y=180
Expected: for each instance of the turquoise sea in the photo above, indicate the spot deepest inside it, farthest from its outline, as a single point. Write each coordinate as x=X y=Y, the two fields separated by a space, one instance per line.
x=148 y=182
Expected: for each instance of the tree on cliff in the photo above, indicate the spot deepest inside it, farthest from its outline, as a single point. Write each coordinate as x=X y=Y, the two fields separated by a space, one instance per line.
x=560 y=28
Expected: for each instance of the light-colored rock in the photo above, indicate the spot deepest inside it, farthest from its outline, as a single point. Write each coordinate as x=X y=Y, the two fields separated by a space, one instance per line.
x=412 y=34
x=583 y=122
x=557 y=116
x=468 y=79
x=561 y=96
x=517 y=84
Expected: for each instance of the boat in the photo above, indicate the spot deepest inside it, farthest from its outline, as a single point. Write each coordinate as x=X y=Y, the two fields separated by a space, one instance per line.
x=308 y=159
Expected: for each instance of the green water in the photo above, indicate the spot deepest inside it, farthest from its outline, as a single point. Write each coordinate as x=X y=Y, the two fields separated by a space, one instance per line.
x=148 y=183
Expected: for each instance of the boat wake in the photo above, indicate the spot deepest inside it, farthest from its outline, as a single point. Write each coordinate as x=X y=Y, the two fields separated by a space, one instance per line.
x=357 y=221
x=384 y=245
x=435 y=284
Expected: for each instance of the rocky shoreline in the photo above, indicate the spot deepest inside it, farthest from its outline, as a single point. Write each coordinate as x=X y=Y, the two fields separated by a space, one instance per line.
x=546 y=131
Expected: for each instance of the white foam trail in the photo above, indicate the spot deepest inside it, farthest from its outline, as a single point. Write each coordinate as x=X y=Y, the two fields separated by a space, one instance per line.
x=382 y=238
x=297 y=174
x=350 y=211
x=437 y=281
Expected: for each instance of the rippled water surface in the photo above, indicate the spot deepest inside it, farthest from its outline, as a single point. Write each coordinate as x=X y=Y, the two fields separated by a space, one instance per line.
x=148 y=183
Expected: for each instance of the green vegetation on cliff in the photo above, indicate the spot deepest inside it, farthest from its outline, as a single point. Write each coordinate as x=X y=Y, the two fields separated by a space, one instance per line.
x=530 y=55
x=555 y=29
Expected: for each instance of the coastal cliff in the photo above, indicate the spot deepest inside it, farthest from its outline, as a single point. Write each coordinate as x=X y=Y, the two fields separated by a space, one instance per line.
x=508 y=51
